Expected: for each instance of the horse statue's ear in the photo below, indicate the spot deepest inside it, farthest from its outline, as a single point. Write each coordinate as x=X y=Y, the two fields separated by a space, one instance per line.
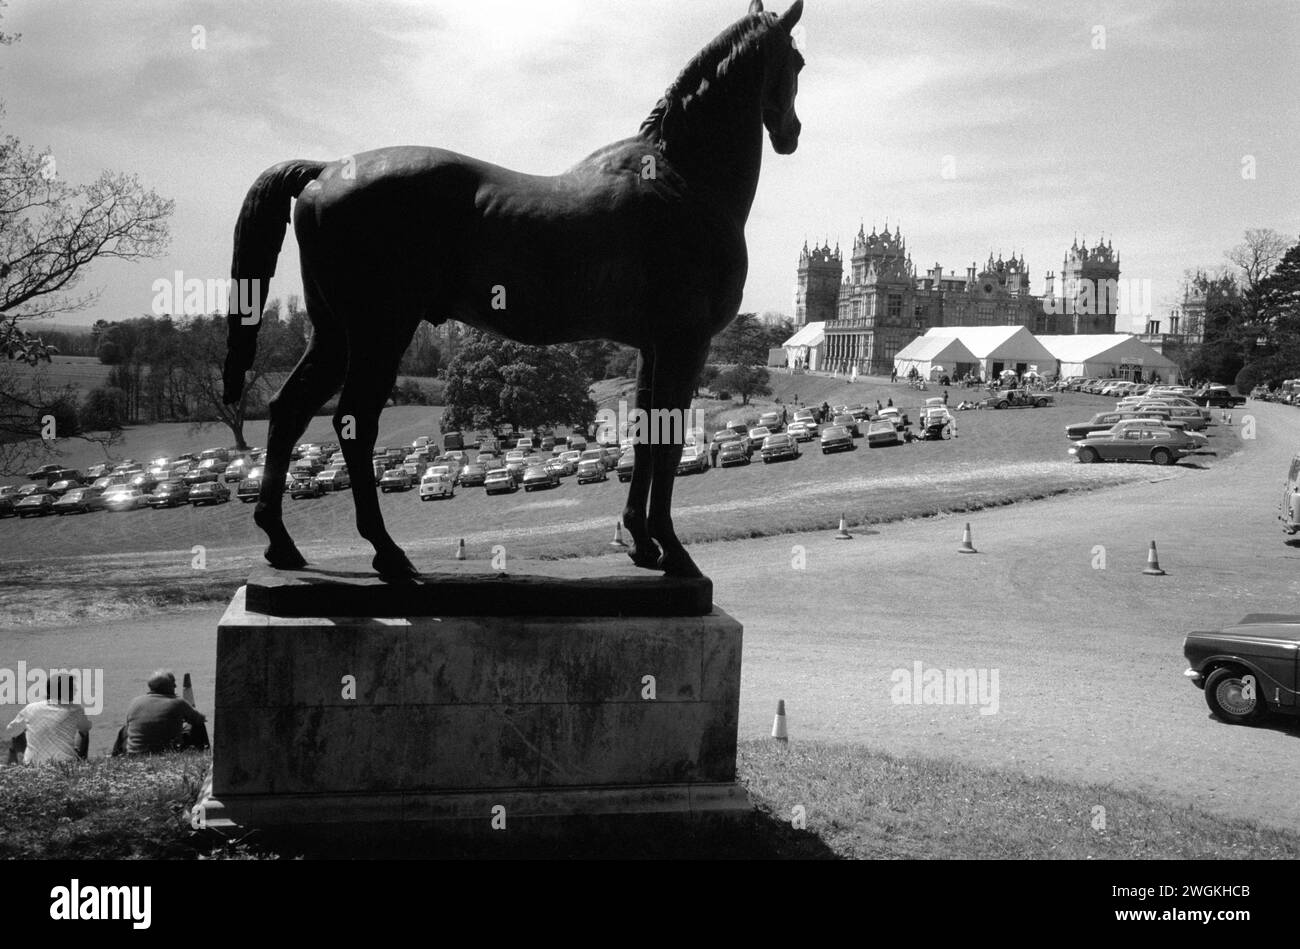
x=756 y=7
x=791 y=16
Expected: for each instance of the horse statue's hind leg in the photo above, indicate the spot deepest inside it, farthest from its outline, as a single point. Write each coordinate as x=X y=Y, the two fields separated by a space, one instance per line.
x=644 y=552
x=372 y=372
x=313 y=380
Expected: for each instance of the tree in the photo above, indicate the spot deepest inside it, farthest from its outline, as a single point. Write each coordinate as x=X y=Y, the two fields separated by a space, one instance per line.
x=104 y=409
x=204 y=353
x=745 y=381
x=51 y=232
x=1255 y=258
x=743 y=342
x=1228 y=339
x=1278 y=300
x=495 y=382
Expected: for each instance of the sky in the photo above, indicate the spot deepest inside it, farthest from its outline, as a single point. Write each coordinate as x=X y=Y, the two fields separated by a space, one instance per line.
x=979 y=126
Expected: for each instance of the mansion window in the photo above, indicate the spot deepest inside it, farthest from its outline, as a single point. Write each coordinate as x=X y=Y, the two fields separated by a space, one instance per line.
x=1153 y=327
x=895 y=307
x=1173 y=323
x=984 y=314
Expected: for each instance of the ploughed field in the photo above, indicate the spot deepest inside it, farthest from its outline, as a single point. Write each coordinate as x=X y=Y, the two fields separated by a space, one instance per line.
x=59 y=569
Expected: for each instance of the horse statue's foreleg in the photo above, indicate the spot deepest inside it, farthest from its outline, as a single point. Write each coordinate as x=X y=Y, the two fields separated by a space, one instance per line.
x=672 y=391
x=312 y=381
x=644 y=551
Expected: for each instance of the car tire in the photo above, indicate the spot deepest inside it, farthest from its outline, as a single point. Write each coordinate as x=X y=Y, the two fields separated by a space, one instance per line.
x=1040 y=404
x=1223 y=695
x=1088 y=456
x=1000 y=405
x=1162 y=456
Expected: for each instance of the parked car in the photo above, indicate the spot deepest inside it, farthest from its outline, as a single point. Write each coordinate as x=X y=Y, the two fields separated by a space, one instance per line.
x=124 y=498
x=882 y=431
x=1018 y=399
x=209 y=492
x=537 y=476
x=626 y=464
x=894 y=416
x=37 y=504
x=1218 y=397
x=694 y=460
x=60 y=488
x=500 y=481
x=800 y=432
x=1193 y=417
x=437 y=484
x=397 y=479
x=733 y=452
x=1140 y=440
x=335 y=479
x=176 y=493
x=1248 y=669
x=770 y=421
x=473 y=475
x=807 y=419
x=1105 y=421
x=43 y=473
x=756 y=436
x=591 y=470
x=779 y=447
x=306 y=486
x=848 y=422
x=209 y=469
x=80 y=501
x=567 y=462
x=836 y=438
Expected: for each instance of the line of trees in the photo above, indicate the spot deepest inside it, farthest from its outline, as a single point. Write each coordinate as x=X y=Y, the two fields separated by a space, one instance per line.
x=1251 y=330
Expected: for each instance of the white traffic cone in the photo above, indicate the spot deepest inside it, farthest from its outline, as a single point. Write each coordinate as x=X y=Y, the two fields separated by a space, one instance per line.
x=966 y=546
x=1153 y=562
x=460 y=549
x=778 y=726
x=618 y=535
x=843 y=533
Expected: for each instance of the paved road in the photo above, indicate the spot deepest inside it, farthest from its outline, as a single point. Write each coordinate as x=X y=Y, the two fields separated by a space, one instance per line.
x=1089 y=660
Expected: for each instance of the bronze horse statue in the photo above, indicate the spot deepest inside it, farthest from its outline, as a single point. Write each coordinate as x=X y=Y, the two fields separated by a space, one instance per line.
x=642 y=242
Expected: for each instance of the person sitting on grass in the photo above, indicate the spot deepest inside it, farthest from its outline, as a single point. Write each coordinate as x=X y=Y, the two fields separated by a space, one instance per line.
x=159 y=721
x=56 y=729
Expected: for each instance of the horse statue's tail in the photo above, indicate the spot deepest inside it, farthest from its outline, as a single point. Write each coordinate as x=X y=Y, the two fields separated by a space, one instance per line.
x=259 y=235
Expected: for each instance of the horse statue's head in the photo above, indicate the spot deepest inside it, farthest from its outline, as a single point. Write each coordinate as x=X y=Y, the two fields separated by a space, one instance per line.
x=781 y=78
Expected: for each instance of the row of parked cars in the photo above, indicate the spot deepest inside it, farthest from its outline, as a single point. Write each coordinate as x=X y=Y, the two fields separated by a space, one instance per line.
x=1160 y=425
x=193 y=478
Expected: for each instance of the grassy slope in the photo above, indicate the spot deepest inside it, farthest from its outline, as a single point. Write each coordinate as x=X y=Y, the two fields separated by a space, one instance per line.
x=857 y=803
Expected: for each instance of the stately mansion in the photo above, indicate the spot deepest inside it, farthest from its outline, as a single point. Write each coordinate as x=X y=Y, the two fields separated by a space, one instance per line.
x=881 y=304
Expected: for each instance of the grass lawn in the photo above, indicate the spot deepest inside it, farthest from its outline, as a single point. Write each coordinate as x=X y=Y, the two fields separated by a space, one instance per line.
x=855 y=803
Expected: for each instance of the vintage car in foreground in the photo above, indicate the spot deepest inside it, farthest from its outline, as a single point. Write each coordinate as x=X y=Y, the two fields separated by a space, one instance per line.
x=539 y=476
x=1018 y=399
x=733 y=452
x=1105 y=421
x=209 y=492
x=591 y=470
x=882 y=432
x=1247 y=669
x=694 y=460
x=437 y=484
x=626 y=463
x=800 y=432
x=1140 y=440
x=779 y=447
x=500 y=481
x=124 y=498
x=394 y=479
x=35 y=505
x=473 y=475
x=306 y=486
x=80 y=501
x=836 y=438
x=176 y=493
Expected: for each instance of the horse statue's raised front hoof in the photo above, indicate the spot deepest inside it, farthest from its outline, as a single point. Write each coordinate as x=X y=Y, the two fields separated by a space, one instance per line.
x=393 y=565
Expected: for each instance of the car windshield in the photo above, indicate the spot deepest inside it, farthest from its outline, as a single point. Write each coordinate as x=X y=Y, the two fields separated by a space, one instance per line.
x=834 y=431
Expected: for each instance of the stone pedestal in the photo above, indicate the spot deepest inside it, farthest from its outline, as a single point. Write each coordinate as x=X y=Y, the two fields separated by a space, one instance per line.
x=522 y=701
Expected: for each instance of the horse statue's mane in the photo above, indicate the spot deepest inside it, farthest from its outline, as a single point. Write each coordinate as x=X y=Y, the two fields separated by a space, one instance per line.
x=715 y=61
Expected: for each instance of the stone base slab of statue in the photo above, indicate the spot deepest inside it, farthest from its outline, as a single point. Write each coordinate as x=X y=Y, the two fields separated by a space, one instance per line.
x=538 y=704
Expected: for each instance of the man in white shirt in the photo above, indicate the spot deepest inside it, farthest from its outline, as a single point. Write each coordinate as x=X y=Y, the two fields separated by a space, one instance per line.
x=56 y=729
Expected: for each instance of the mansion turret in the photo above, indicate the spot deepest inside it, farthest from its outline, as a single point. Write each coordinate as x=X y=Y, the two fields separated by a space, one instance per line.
x=882 y=302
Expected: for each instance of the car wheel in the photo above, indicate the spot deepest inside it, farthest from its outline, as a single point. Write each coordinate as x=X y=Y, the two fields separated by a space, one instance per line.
x=424 y=498
x=1088 y=455
x=1162 y=456
x=1040 y=404
x=1225 y=694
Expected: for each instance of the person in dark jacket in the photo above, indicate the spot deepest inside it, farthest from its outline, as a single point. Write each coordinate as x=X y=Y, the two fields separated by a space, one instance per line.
x=158 y=721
